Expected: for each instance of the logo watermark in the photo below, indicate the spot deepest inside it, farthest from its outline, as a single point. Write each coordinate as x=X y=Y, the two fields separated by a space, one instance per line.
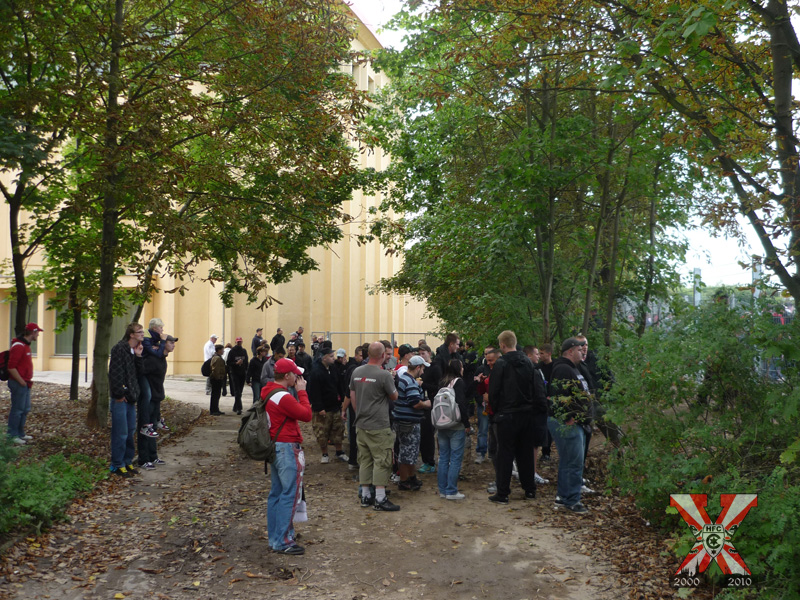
x=713 y=541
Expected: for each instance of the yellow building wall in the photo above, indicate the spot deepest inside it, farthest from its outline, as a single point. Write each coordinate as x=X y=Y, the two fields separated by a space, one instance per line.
x=335 y=299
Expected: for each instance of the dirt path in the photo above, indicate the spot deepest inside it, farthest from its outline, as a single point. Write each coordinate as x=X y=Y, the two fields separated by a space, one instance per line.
x=196 y=528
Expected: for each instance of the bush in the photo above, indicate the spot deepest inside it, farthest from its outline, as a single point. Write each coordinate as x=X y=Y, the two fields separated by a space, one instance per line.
x=702 y=417
x=35 y=494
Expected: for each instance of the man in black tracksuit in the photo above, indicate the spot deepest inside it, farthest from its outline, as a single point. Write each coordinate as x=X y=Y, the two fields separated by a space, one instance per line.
x=513 y=393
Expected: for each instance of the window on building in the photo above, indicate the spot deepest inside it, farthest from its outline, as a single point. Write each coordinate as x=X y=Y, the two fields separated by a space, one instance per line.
x=370 y=85
x=31 y=316
x=64 y=339
x=119 y=325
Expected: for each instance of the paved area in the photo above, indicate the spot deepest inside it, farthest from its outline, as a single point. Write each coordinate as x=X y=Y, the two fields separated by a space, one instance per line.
x=185 y=388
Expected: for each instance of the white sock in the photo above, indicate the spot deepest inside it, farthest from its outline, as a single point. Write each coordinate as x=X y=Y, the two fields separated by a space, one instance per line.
x=380 y=494
x=365 y=493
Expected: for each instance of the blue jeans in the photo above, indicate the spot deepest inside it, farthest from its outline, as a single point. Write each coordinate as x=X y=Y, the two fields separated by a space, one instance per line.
x=123 y=433
x=483 y=432
x=20 y=407
x=569 y=441
x=451 y=453
x=284 y=494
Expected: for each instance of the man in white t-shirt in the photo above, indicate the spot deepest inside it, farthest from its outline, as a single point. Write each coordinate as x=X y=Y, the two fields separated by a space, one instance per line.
x=208 y=352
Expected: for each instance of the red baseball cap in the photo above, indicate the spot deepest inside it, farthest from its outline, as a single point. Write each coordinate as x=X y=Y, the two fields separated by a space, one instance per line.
x=286 y=365
x=239 y=339
x=33 y=327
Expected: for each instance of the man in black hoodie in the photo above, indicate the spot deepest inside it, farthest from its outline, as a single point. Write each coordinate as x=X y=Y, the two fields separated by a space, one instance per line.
x=513 y=393
x=568 y=422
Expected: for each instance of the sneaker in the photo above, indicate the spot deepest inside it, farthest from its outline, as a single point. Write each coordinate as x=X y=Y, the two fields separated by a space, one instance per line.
x=577 y=508
x=498 y=499
x=158 y=461
x=479 y=459
x=386 y=505
x=367 y=502
x=324 y=460
x=343 y=457
x=442 y=495
x=409 y=485
x=148 y=466
x=559 y=502
x=530 y=495
x=514 y=470
x=587 y=490
x=293 y=550
x=219 y=413
x=456 y=496
x=18 y=441
x=492 y=488
x=147 y=430
x=352 y=467
x=426 y=468
x=162 y=425
x=540 y=480
x=132 y=469
x=122 y=472
x=27 y=438
x=395 y=478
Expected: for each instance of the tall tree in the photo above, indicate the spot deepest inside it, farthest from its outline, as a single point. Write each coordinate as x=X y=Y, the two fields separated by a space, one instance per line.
x=211 y=130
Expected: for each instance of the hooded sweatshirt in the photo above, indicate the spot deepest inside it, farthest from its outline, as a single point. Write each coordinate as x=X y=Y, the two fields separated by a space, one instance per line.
x=513 y=386
x=569 y=392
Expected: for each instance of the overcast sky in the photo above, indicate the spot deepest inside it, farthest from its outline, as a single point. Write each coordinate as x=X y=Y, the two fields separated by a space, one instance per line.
x=716 y=257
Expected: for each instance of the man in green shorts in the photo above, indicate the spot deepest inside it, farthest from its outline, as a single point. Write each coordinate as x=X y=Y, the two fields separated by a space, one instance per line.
x=372 y=391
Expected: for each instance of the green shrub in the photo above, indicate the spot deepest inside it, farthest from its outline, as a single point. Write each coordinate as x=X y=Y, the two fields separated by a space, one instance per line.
x=701 y=417
x=35 y=494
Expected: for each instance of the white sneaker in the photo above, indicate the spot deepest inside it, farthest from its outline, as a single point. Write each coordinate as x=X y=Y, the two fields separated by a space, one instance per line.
x=540 y=480
x=27 y=438
x=479 y=459
x=18 y=441
x=395 y=478
x=324 y=460
x=492 y=488
x=456 y=496
x=514 y=470
x=343 y=457
x=353 y=467
x=587 y=490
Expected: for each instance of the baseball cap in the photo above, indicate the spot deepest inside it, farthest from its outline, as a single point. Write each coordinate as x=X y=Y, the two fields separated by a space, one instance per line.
x=341 y=353
x=286 y=365
x=238 y=339
x=33 y=327
x=405 y=349
x=214 y=335
x=325 y=351
x=418 y=360
x=570 y=343
x=171 y=339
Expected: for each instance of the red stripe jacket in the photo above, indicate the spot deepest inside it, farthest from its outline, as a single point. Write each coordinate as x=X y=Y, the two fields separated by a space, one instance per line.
x=283 y=406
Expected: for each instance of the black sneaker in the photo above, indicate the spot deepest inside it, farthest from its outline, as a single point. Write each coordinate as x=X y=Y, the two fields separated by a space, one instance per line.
x=498 y=499
x=386 y=505
x=578 y=508
x=293 y=550
x=559 y=502
x=367 y=502
x=148 y=466
x=158 y=461
x=530 y=495
x=409 y=485
x=132 y=470
x=123 y=472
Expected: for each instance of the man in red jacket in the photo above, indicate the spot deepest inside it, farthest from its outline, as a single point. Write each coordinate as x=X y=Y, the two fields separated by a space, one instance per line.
x=20 y=382
x=287 y=471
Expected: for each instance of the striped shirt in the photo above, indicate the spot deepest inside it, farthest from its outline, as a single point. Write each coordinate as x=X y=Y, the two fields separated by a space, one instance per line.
x=409 y=394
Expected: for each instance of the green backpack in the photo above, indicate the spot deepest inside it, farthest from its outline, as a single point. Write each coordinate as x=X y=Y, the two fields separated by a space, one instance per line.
x=254 y=436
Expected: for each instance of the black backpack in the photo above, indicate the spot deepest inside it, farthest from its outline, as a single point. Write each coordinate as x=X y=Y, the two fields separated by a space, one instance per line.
x=205 y=370
x=254 y=436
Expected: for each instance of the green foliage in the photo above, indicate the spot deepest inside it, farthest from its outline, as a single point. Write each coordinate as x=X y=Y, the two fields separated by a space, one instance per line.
x=702 y=416
x=35 y=494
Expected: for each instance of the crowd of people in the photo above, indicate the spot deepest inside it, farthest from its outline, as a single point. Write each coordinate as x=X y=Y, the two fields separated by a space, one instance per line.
x=398 y=403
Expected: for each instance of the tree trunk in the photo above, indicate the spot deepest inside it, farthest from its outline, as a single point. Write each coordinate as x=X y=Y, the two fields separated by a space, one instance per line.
x=108 y=249
x=18 y=261
x=651 y=259
x=77 y=329
x=612 y=278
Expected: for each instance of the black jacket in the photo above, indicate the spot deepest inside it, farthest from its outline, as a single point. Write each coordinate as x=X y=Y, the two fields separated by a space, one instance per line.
x=236 y=367
x=278 y=341
x=567 y=394
x=123 y=372
x=254 y=369
x=512 y=385
x=303 y=360
x=323 y=388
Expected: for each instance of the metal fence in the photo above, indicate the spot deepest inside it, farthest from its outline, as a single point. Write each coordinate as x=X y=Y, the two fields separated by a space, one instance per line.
x=350 y=339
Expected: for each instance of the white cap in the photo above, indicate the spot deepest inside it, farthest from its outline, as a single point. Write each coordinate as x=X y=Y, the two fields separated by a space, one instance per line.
x=418 y=360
